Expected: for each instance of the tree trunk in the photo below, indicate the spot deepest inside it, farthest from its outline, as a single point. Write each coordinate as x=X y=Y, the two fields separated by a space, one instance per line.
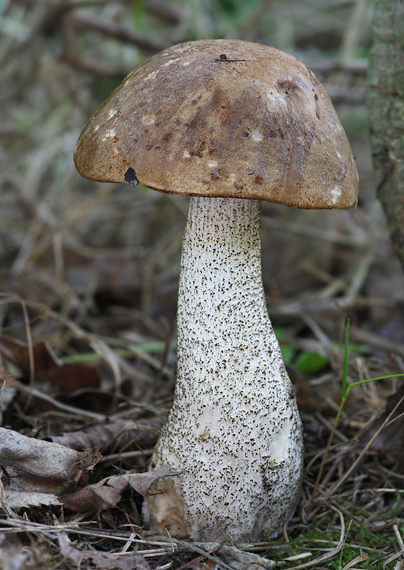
x=385 y=94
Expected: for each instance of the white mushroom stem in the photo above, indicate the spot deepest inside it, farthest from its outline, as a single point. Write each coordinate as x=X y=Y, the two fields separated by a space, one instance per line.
x=234 y=430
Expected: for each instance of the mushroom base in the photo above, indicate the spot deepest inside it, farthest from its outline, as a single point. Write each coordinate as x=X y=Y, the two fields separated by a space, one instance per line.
x=234 y=431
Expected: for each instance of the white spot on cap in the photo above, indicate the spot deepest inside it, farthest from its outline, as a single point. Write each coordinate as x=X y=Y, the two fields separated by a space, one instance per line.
x=148 y=119
x=212 y=164
x=96 y=127
x=112 y=113
x=256 y=136
x=186 y=154
x=170 y=62
x=152 y=75
x=109 y=134
x=335 y=194
x=274 y=96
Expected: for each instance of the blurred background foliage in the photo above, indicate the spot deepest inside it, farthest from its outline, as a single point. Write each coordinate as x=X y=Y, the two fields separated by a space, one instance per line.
x=111 y=246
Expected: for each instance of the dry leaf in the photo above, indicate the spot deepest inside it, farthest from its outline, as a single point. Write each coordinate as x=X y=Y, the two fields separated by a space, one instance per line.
x=29 y=464
x=7 y=379
x=391 y=437
x=97 y=497
x=66 y=378
x=352 y=564
x=7 y=390
x=13 y=555
x=17 y=500
x=99 y=560
x=236 y=558
x=107 y=493
x=128 y=435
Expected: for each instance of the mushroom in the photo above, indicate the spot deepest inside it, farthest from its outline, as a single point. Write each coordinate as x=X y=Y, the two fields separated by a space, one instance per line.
x=228 y=123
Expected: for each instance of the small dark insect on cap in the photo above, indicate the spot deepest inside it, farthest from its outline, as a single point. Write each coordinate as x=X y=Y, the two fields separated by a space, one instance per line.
x=130 y=177
x=222 y=56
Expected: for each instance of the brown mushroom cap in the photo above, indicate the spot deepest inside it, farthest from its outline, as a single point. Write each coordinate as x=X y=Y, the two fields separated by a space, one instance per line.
x=223 y=118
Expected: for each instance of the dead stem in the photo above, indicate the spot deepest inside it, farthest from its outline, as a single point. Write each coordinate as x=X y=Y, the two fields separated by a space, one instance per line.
x=332 y=552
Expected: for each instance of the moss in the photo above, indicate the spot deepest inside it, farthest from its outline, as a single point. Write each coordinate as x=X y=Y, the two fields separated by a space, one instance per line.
x=361 y=538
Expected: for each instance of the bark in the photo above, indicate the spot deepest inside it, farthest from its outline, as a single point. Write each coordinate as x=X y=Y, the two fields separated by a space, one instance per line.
x=385 y=94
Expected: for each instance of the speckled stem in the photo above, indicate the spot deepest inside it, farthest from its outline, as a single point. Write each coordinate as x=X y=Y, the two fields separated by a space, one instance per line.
x=234 y=430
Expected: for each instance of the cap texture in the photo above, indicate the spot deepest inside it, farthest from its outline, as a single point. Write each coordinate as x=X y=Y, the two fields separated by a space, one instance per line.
x=223 y=118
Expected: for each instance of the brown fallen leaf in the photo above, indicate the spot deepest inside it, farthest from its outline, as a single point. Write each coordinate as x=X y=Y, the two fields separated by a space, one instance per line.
x=311 y=398
x=108 y=492
x=14 y=556
x=236 y=558
x=98 y=559
x=30 y=464
x=66 y=378
x=8 y=386
x=17 y=500
x=391 y=437
x=6 y=378
x=121 y=435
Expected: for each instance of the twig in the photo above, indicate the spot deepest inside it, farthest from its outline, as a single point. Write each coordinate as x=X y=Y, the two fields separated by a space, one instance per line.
x=354 y=28
x=79 y=412
x=124 y=35
x=329 y=554
x=338 y=305
x=352 y=240
x=392 y=558
x=201 y=551
x=94 y=66
x=125 y=455
x=398 y=536
x=170 y=11
x=94 y=340
x=297 y=308
x=30 y=353
x=352 y=563
x=377 y=341
x=198 y=559
x=350 y=66
x=364 y=450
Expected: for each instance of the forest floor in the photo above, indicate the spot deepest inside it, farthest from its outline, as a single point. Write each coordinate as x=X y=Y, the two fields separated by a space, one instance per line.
x=96 y=371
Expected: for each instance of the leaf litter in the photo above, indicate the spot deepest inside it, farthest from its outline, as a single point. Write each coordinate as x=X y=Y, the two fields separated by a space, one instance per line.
x=123 y=421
